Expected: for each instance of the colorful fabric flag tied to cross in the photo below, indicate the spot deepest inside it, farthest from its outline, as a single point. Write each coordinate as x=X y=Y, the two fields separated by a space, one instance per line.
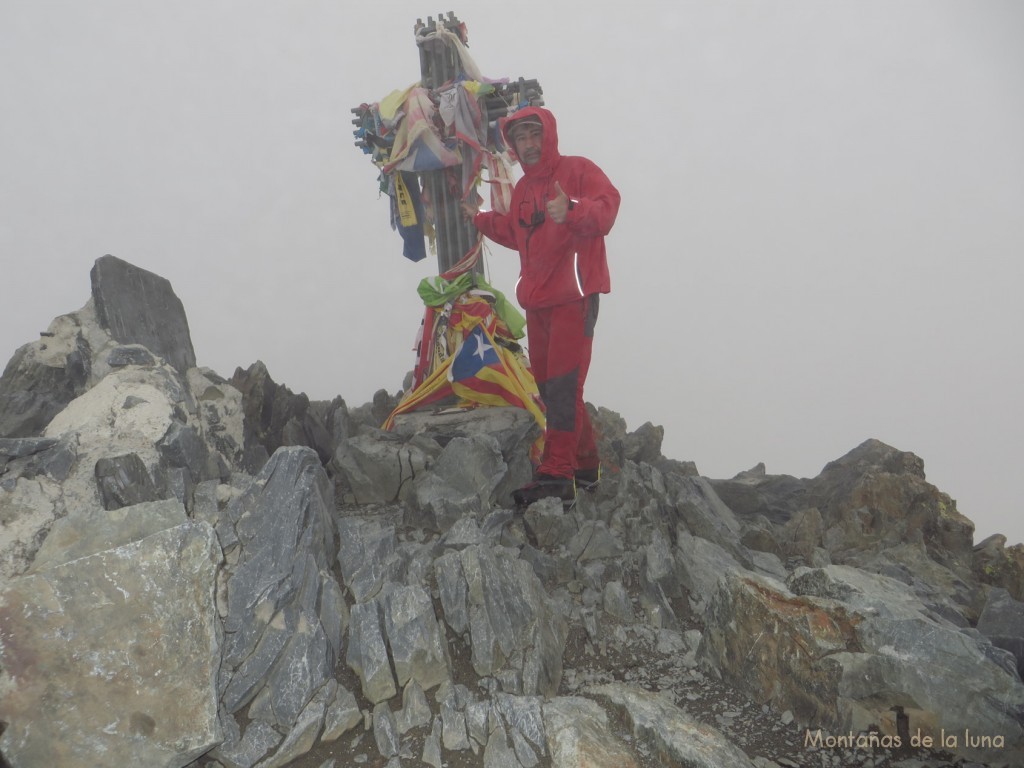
x=415 y=130
x=469 y=354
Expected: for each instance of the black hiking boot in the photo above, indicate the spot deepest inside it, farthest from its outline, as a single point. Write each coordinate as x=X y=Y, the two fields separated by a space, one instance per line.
x=545 y=486
x=587 y=479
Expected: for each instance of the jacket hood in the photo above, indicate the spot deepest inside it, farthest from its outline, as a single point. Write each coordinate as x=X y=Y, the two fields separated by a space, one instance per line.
x=549 y=146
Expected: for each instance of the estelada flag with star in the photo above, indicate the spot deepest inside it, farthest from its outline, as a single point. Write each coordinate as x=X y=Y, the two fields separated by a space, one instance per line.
x=481 y=371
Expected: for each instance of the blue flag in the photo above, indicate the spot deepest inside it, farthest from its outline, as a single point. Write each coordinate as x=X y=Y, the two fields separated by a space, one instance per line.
x=407 y=215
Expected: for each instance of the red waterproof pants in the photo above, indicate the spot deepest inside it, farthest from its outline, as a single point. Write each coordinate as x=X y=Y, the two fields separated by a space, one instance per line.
x=561 y=339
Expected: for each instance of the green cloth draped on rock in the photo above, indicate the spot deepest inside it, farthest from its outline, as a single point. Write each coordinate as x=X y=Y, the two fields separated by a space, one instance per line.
x=436 y=292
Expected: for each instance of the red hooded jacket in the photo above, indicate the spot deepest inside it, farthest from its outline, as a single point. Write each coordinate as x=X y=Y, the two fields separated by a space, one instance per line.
x=559 y=263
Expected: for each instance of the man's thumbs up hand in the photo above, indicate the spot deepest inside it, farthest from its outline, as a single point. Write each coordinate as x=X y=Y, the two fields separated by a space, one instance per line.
x=558 y=206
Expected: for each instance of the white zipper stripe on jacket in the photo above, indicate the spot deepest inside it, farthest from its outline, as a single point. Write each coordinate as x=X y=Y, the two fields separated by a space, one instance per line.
x=576 y=271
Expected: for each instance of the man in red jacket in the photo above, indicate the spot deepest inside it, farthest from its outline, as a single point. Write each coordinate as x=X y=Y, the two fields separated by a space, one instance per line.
x=561 y=210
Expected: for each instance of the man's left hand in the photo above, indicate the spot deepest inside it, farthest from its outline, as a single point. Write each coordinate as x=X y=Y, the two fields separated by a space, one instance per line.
x=558 y=207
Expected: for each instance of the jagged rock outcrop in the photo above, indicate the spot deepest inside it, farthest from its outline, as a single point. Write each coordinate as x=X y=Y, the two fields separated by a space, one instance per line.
x=284 y=617
x=495 y=600
x=45 y=375
x=140 y=308
x=320 y=583
x=275 y=416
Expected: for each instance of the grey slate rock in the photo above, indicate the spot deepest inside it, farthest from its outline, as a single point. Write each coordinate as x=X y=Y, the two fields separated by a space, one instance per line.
x=182 y=447
x=130 y=354
x=380 y=467
x=82 y=535
x=139 y=307
x=275 y=417
x=303 y=735
x=594 y=541
x=30 y=457
x=258 y=740
x=367 y=654
x=277 y=652
x=461 y=481
x=478 y=719
x=385 y=730
x=523 y=716
x=1002 y=622
x=432 y=745
x=671 y=732
x=111 y=624
x=334 y=614
x=454 y=735
x=454 y=590
x=549 y=525
x=616 y=602
x=342 y=715
x=415 y=710
x=513 y=626
x=367 y=556
x=281 y=517
x=305 y=663
x=124 y=481
x=37 y=384
x=498 y=753
x=414 y=637
x=19 y=447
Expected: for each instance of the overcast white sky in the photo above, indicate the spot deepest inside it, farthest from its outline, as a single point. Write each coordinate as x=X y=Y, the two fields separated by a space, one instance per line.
x=820 y=239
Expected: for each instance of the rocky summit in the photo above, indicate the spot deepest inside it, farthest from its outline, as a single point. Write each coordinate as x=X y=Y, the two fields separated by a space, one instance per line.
x=210 y=571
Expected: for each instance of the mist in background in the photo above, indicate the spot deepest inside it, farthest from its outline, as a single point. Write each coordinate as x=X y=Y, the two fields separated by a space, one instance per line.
x=820 y=239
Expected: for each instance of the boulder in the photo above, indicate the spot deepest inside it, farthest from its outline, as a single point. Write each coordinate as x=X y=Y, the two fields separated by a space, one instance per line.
x=84 y=641
x=579 y=736
x=461 y=480
x=999 y=565
x=1002 y=622
x=81 y=535
x=514 y=429
x=379 y=467
x=303 y=735
x=139 y=307
x=669 y=731
x=946 y=590
x=524 y=718
x=124 y=481
x=702 y=565
x=845 y=646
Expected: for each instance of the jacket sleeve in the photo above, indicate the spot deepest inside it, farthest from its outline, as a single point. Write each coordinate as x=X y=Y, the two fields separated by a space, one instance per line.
x=497 y=227
x=595 y=206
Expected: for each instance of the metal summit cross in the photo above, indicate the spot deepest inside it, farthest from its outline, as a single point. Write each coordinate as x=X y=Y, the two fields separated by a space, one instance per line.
x=442 y=147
